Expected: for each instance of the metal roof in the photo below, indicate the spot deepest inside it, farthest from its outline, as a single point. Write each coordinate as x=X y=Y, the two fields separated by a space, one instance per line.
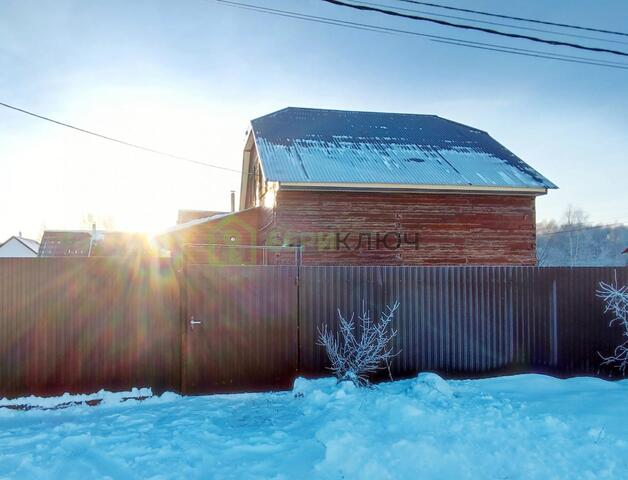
x=91 y=243
x=32 y=245
x=69 y=243
x=307 y=145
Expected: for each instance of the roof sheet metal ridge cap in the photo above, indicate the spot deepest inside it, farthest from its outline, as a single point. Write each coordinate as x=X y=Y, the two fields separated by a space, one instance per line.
x=338 y=110
x=271 y=113
x=25 y=243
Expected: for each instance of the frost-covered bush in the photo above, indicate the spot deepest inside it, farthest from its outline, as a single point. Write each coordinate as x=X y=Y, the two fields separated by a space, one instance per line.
x=616 y=302
x=359 y=349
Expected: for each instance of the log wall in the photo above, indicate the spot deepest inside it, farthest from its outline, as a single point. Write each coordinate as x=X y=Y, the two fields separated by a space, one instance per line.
x=452 y=229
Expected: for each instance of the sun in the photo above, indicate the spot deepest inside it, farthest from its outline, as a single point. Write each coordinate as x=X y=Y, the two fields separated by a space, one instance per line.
x=141 y=191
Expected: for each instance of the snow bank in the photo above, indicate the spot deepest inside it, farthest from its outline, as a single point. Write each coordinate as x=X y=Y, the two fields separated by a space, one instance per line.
x=430 y=385
x=520 y=427
x=103 y=397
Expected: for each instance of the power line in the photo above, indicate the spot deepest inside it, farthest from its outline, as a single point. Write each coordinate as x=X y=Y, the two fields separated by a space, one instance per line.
x=122 y=142
x=509 y=17
x=436 y=38
x=486 y=22
x=300 y=16
x=198 y=162
x=474 y=28
x=513 y=51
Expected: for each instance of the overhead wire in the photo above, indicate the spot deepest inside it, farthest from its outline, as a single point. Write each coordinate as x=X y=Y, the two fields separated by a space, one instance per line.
x=382 y=29
x=500 y=24
x=121 y=142
x=491 y=31
x=511 y=17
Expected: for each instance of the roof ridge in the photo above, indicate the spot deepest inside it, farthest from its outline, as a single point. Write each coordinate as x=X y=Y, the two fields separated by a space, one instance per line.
x=21 y=240
x=342 y=110
x=369 y=112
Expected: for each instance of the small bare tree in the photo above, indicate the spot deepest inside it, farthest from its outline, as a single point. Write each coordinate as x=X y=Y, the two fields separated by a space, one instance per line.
x=616 y=301
x=353 y=357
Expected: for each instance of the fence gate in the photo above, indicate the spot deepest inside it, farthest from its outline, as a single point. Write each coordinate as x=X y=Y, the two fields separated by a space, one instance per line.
x=239 y=328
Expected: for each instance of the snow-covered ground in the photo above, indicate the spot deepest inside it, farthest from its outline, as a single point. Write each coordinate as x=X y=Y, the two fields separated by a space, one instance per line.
x=520 y=427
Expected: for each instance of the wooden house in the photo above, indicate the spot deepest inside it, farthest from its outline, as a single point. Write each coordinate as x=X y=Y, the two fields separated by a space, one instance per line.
x=365 y=188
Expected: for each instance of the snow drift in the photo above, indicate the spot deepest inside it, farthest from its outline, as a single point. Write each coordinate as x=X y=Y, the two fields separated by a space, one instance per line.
x=520 y=427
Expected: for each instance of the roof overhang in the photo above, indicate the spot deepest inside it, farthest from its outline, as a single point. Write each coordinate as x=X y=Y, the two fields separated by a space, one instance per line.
x=401 y=187
x=246 y=164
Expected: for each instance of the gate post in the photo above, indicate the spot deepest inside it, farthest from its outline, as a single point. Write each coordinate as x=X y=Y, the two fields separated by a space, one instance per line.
x=299 y=256
x=182 y=278
x=554 y=324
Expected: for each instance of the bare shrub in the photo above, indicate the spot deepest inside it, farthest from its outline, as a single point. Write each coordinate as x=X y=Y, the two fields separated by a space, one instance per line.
x=615 y=300
x=357 y=350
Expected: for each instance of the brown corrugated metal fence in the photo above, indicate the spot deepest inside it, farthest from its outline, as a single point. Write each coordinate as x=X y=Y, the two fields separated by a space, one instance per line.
x=240 y=328
x=83 y=324
x=469 y=320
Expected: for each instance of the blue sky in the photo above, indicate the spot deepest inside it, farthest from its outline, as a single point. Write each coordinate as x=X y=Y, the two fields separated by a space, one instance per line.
x=186 y=77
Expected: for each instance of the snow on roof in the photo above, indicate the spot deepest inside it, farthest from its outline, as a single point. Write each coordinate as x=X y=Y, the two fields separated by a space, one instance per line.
x=200 y=221
x=332 y=146
x=191 y=223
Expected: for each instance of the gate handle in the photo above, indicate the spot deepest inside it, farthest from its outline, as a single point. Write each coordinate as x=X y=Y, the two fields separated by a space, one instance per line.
x=193 y=322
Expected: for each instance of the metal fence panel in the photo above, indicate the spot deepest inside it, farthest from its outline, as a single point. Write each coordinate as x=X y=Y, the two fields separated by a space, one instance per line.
x=468 y=321
x=84 y=324
x=240 y=328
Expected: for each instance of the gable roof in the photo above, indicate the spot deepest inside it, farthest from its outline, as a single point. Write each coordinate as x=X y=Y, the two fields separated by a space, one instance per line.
x=65 y=243
x=91 y=243
x=310 y=146
x=32 y=245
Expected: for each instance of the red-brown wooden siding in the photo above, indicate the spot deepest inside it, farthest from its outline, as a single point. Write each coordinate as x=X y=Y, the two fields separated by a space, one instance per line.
x=474 y=229
x=199 y=243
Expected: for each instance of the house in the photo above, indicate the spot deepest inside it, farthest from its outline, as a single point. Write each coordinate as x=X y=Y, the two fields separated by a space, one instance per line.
x=19 y=247
x=92 y=243
x=219 y=238
x=366 y=188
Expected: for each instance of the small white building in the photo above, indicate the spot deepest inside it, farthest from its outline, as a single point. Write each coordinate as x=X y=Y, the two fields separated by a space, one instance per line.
x=19 y=247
